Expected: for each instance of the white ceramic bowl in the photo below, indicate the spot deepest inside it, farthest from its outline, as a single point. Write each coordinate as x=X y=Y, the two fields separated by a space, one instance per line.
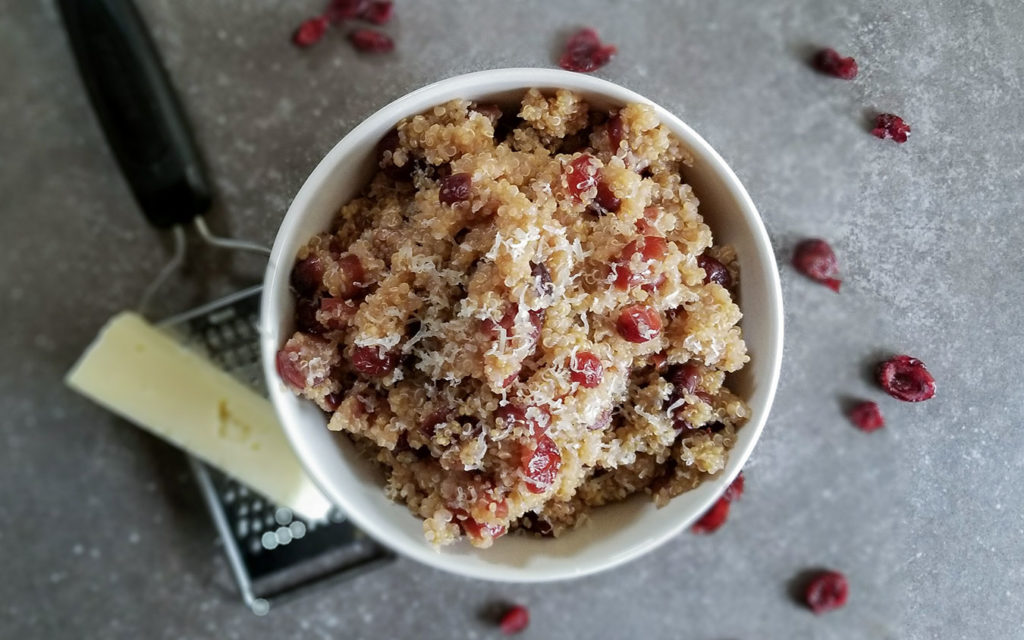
x=616 y=533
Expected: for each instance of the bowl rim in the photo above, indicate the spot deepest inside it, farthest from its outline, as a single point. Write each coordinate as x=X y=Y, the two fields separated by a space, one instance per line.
x=415 y=102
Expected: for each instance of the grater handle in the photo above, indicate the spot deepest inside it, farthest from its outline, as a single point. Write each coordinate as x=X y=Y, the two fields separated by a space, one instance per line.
x=137 y=108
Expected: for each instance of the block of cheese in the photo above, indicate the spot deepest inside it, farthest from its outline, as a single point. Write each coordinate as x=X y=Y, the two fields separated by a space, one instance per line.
x=144 y=375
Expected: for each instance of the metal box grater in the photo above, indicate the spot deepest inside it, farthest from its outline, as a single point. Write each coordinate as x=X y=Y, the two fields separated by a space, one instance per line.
x=273 y=553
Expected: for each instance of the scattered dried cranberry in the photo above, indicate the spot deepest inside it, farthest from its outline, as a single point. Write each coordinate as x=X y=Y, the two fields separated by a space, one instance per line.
x=474 y=528
x=815 y=259
x=434 y=420
x=616 y=132
x=827 y=591
x=684 y=377
x=651 y=250
x=379 y=12
x=891 y=126
x=455 y=188
x=581 y=175
x=289 y=369
x=373 y=361
x=584 y=52
x=340 y=10
x=370 y=41
x=541 y=278
x=866 y=416
x=906 y=378
x=492 y=111
x=507 y=322
x=385 y=148
x=336 y=314
x=735 y=489
x=307 y=275
x=305 y=317
x=714 y=518
x=639 y=323
x=714 y=271
x=515 y=620
x=605 y=201
x=540 y=464
x=310 y=32
x=353 y=280
x=586 y=369
x=829 y=61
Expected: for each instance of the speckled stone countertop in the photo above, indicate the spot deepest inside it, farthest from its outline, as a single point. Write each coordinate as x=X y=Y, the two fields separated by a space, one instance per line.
x=103 y=531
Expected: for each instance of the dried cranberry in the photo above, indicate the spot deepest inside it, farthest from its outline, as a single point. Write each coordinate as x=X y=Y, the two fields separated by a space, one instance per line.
x=906 y=378
x=866 y=416
x=735 y=489
x=373 y=360
x=385 y=158
x=354 y=281
x=829 y=61
x=684 y=377
x=584 y=52
x=370 y=41
x=891 y=126
x=651 y=250
x=336 y=314
x=540 y=464
x=339 y=10
x=581 y=175
x=639 y=323
x=541 y=278
x=332 y=401
x=586 y=369
x=605 y=201
x=379 y=12
x=815 y=259
x=507 y=322
x=289 y=369
x=713 y=518
x=434 y=420
x=308 y=275
x=514 y=620
x=616 y=132
x=305 y=317
x=474 y=528
x=714 y=271
x=492 y=111
x=310 y=32
x=826 y=591
x=455 y=188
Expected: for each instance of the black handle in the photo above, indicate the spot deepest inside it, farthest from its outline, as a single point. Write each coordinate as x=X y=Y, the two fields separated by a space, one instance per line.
x=137 y=108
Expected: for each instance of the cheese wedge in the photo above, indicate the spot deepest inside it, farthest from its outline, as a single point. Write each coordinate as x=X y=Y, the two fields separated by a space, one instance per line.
x=144 y=375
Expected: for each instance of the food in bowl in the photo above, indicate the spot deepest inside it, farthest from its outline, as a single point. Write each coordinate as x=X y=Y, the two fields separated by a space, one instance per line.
x=522 y=317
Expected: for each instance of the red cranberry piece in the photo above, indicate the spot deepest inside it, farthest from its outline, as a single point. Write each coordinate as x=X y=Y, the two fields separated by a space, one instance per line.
x=639 y=323
x=906 y=378
x=455 y=188
x=332 y=401
x=605 y=201
x=379 y=12
x=829 y=61
x=815 y=259
x=474 y=528
x=866 y=416
x=584 y=52
x=385 y=148
x=310 y=32
x=507 y=382
x=888 y=125
x=735 y=489
x=370 y=41
x=616 y=132
x=651 y=249
x=373 y=361
x=507 y=322
x=684 y=377
x=826 y=591
x=354 y=282
x=492 y=111
x=340 y=10
x=536 y=419
x=434 y=420
x=289 y=370
x=586 y=369
x=514 y=620
x=714 y=518
x=305 y=317
x=540 y=464
x=581 y=175
x=308 y=275
x=336 y=314
x=714 y=271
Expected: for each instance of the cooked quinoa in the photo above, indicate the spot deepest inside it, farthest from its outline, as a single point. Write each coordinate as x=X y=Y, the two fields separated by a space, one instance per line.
x=522 y=317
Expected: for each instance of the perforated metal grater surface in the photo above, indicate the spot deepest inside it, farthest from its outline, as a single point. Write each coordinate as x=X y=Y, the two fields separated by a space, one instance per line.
x=273 y=553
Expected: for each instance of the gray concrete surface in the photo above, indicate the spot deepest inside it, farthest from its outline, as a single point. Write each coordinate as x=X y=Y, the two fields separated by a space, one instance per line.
x=102 y=531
